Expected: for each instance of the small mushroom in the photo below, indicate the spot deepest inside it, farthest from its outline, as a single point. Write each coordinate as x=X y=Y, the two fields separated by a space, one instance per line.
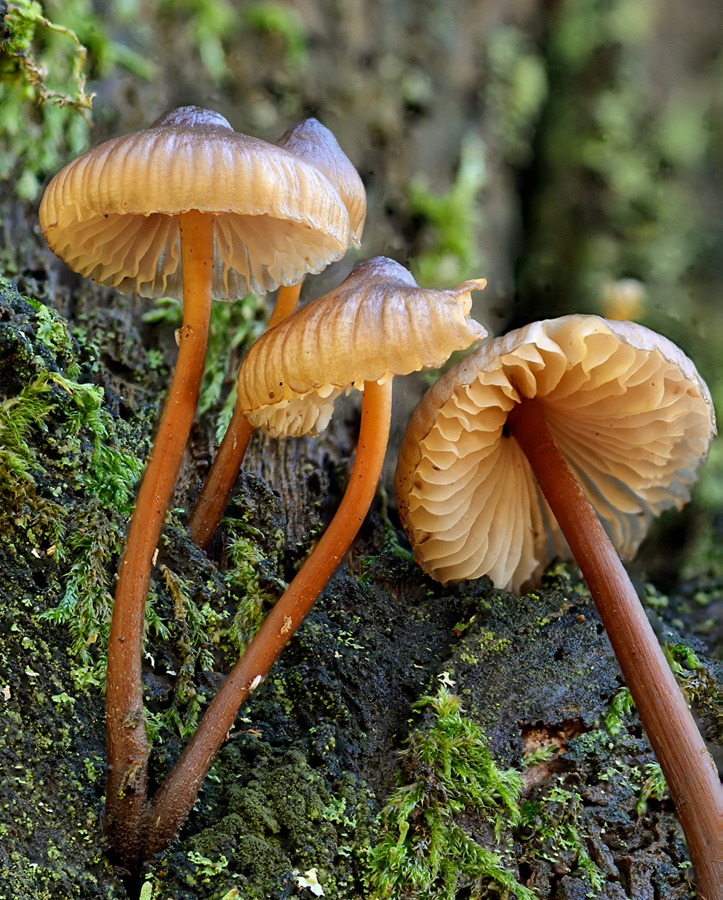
x=312 y=142
x=569 y=436
x=378 y=323
x=190 y=207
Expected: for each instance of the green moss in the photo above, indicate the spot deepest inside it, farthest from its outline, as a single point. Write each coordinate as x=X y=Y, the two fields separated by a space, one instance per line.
x=68 y=508
x=42 y=95
x=55 y=416
x=515 y=91
x=552 y=826
x=620 y=707
x=489 y=642
x=654 y=787
x=20 y=504
x=700 y=682
x=250 y=563
x=453 y=220
x=45 y=61
x=283 y=819
x=50 y=811
x=448 y=778
x=85 y=605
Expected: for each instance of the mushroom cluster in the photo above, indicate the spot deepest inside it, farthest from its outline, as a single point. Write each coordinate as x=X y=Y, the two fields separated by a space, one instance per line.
x=566 y=437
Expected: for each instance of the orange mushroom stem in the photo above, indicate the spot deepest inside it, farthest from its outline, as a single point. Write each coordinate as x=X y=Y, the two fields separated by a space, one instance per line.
x=174 y=800
x=126 y=796
x=678 y=745
x=216 y=490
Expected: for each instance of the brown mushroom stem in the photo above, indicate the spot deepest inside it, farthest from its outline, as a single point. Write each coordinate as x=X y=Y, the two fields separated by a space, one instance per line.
x=175 y=798
x=678 y=745
x=211 y=503
x=126 y=794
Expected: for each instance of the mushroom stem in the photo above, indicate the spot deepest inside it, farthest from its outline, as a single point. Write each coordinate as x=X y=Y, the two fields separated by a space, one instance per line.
x=211 y=503
x=127 y=766
x=287 y=299
x=669 y=724
x=176 y=796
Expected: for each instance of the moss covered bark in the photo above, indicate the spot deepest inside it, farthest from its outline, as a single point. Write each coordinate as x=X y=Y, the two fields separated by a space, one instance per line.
x=294 y=799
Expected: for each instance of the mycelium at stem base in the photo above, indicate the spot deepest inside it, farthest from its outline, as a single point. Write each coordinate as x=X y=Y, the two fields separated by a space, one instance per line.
x=126 y=789
x=676 y=741
x=175 y=798
x=216 y=491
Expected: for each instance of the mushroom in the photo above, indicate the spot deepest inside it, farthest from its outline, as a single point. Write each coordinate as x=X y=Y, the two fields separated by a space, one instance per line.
x=378 y=323
x=310 y=141
x=190 y=207
x=314 y=143
x=570 y=435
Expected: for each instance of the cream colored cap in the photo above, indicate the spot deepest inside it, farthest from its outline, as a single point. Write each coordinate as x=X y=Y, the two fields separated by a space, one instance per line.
x=378 y=323
x=112 y=214
x=625 y=406
x=312 y=141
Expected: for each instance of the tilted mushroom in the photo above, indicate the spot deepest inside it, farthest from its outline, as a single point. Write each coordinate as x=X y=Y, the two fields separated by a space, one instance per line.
x=187 y=206
x=310 y=141
x=378 y=323
x=522 y=450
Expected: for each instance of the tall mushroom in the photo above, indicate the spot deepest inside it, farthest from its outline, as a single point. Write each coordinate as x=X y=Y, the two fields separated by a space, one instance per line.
x=378 y=323
x=570 y=435
x=310 y=141
x=187 y=206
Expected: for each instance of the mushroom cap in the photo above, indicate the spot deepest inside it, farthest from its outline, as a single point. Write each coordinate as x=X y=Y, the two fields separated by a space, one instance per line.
x=112 y=214
x=312 y=141
x=626 y=408
x=378 y=323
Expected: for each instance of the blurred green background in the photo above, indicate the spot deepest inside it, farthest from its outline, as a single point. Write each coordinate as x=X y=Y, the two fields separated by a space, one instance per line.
x=570 y=151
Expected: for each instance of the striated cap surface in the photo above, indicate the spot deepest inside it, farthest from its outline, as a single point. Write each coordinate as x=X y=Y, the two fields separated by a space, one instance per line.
x=312 y=141
x=378 y=323
x=626 y=408
x=112 y=214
